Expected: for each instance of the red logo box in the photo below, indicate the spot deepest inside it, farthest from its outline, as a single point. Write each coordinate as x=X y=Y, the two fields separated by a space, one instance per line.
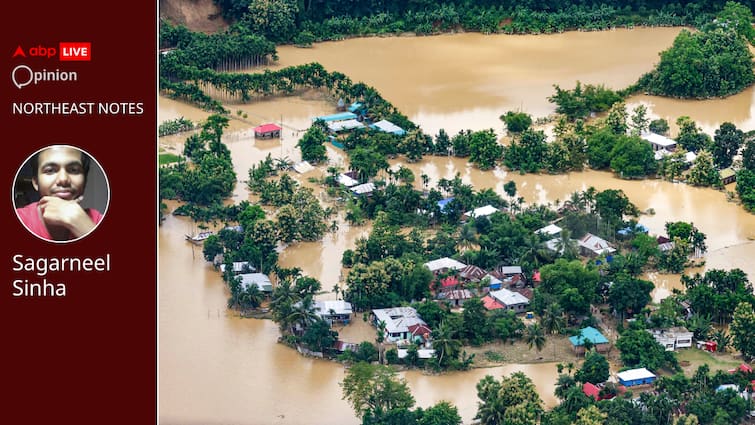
x=81 y=51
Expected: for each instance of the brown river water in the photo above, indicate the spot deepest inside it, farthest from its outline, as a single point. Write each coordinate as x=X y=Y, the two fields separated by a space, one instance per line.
x=217 y=368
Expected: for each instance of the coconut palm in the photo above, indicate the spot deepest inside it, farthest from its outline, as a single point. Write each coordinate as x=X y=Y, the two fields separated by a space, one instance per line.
x=534 y=336
x=553 y=322
x=445 y=343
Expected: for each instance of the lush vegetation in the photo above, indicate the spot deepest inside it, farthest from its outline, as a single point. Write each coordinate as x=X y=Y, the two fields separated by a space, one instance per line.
x=713 y=62
x=302 y=22
x=174 y=126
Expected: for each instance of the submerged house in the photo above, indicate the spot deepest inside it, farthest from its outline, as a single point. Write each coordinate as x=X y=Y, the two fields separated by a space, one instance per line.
x=259 y=279
x=388 y=127
x=594 y=246
x=401 y=324
x=659 y=142
x=267 y=131
x=334 y=311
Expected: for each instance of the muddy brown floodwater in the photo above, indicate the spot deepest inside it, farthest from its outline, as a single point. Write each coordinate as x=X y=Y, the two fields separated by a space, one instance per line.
x=215 y=367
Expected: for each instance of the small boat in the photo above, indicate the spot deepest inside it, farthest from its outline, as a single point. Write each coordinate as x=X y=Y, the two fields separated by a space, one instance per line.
x=199 y=238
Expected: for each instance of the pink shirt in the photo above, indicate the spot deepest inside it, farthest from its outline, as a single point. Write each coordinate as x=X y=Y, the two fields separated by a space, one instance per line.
x=30 y=217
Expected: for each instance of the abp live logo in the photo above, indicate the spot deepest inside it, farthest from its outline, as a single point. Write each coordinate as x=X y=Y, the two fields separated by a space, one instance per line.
x=81 y=51
x=66 y=51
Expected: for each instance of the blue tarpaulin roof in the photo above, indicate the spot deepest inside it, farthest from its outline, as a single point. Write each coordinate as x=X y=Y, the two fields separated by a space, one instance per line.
x=354 y=107
x=639 y=228
x=590 y=334
x=443 y=202
x=336 y=117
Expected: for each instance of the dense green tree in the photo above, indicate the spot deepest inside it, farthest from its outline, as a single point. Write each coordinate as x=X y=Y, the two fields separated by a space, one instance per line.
x=441 y=413
x=514 y=400
x=726 y=143
x=746 y=188
x=516 y=122
x=739 y=17
x=484 y=150
x=595 y=368
x=690 y=137
x=371 y=388
x=312 y=144
x=659 y=126
x=276 y=19
x=319 y=336
x=527 y=152
x=629 y=294
x=367 y=163
x=639 y=349
x=571 y=283
x=600 y=144
x=442 y=143
x=475 y=329
x=640 y=120
x=709 y=63
x=631 y=157
x=742 y=326
x=703 y=171
x=748 y=153
x=616 y=120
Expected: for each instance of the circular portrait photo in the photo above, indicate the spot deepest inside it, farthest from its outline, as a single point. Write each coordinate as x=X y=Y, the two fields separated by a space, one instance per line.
x=61 y=193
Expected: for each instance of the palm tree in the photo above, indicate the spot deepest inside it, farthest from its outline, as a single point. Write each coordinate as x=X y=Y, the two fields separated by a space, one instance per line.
x=566 y=246
x=553 y=322
x=467 y=237
x=445 y=342
x=534 y=335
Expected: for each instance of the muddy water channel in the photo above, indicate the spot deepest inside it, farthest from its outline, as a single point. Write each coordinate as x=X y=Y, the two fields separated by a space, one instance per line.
x=215 y=367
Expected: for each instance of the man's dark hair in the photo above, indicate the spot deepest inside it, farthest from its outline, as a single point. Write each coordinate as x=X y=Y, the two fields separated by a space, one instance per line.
x=34 y=161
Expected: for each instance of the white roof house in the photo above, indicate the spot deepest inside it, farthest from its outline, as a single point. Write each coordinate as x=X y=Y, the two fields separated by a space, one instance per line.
x=659 y=142
x=363 y=189
x=346 y=180
x=591 y=244
x=259 y=279
x=444 y=264
x=389 y=127
x=400 y=322
x=328 y=307
x=549 y=230
x=482 y=211
x=303 y=167
x=336 y=126
x=635 y=375
x=239 y=267
x=510 y=299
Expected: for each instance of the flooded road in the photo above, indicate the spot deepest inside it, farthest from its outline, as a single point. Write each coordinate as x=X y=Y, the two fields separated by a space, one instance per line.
x=217 y=368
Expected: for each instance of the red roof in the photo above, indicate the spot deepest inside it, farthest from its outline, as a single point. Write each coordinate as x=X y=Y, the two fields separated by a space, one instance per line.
x=490 y=303
x=536 y=276
x=419 y=329
x=449 y=281
x=591 y=390
x=266 y=128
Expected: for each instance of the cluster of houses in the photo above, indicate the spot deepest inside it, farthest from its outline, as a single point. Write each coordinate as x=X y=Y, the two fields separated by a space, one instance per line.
x=664 y=146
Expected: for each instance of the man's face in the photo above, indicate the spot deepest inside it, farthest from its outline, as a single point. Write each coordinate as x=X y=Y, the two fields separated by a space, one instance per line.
x=60 y=173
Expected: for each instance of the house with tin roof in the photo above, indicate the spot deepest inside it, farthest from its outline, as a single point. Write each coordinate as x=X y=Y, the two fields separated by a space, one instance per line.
x=592 y=337
x=401 y=324
x=509 y=300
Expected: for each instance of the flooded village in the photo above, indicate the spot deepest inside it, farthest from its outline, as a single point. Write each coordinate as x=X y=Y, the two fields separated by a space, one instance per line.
x=218 y=366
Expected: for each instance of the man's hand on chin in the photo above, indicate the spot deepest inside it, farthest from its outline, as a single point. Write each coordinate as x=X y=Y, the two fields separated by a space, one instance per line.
x=60 y=212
